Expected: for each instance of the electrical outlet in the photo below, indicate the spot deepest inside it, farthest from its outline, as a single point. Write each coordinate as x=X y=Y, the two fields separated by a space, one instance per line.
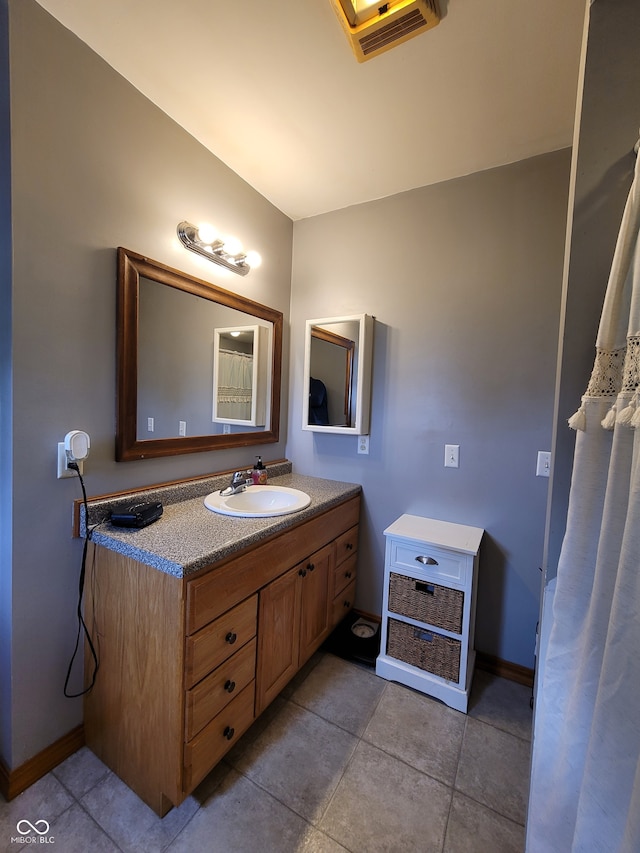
x=182 y=428
x=452 y=456
x=150 y=425
x=63 y=467
x=543 y=465
x=226 y=429
x=363 y=444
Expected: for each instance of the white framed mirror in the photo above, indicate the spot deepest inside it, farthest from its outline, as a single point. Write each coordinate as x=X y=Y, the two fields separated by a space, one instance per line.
x=337 y=374
x=240 y=375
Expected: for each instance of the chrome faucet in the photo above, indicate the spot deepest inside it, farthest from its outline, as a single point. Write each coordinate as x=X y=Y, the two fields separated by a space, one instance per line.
x=238 y=484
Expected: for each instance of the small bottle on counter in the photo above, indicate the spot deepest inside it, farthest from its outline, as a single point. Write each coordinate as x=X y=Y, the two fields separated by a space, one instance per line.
x=259 y=473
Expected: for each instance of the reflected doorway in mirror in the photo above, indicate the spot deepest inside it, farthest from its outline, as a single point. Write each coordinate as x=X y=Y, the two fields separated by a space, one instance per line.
x=240 y=376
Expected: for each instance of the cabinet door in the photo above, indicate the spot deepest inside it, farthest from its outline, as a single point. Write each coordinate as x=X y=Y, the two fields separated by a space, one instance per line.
x=315 y=615
x=279 y=625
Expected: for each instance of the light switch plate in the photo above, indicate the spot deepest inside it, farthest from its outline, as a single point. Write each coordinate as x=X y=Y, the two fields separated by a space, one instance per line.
x=543 y=465
x=452 y=456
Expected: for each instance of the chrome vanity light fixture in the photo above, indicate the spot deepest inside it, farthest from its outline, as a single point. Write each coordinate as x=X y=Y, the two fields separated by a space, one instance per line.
x=226 y=251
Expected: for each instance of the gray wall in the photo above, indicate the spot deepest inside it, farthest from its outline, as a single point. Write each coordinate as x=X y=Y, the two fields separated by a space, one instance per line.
x=5 y=389
x=604 y=171
x=94 y=166
x=464 y=279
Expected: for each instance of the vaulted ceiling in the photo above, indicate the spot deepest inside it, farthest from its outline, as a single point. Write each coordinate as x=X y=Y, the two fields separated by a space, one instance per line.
x=273 y=89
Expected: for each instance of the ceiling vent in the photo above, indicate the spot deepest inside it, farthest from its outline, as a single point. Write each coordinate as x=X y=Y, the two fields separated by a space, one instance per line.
x=382 y=26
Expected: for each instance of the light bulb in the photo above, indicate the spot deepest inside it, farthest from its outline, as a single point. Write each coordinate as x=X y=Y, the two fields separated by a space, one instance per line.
x=207 y=233
x=232 y=246
x=253 y=259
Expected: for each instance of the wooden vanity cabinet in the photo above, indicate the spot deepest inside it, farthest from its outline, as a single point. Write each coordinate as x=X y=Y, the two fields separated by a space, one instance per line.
x=344 y=575
x=187 y=664
x=294 y=619
x=219 y=673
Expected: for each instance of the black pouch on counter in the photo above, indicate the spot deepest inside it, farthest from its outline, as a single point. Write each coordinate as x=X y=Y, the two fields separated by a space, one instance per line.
x=138 y=515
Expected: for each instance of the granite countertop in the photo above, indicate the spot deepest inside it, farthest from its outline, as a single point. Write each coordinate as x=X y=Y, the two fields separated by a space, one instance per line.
x=189 y=536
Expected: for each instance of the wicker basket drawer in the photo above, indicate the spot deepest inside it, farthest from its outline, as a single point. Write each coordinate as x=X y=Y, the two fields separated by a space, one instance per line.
x=424 y=649
x=426 y=602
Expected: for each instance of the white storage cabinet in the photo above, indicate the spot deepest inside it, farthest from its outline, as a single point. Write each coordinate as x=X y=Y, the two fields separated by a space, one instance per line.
x=429 y=602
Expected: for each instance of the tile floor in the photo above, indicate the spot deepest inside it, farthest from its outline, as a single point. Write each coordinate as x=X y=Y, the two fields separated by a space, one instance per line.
x=341 y=761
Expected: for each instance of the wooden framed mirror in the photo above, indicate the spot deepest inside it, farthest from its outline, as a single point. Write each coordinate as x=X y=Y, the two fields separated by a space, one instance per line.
x=166 y=322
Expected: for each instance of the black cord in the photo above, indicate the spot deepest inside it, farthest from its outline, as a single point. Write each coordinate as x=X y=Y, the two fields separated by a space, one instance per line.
x=81 y=623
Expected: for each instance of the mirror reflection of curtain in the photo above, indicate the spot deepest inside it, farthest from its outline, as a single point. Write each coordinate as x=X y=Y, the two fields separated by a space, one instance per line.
x=235 y=370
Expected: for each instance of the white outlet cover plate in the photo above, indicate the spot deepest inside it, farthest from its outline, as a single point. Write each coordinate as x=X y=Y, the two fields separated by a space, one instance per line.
x=63 y=471
x=363 y=444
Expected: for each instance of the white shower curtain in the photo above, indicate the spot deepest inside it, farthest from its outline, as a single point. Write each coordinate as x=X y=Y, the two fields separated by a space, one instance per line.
x=235 y=377
x=585 y=781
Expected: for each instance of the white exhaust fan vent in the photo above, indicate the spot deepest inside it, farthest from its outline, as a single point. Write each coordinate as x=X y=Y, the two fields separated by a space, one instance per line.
x=373 y=27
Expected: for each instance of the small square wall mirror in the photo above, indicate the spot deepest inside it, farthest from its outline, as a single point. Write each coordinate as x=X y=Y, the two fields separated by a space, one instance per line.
x=337 y=374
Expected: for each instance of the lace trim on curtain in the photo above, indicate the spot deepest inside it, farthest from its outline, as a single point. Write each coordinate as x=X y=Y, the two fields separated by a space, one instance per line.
x=605 y=382
x=631 y=377
x=606 y=377
x=228 y=394
x=615 y=372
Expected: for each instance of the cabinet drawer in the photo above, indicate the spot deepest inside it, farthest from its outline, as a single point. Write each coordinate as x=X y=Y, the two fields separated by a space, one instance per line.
x=344 y=574
x=217 y=641
x=436 y=562
x=427 y=650
x=207 y=748
x=343 y=602
x=213 y=593
x=219 y=688
x=427 y=602
x=346 y=545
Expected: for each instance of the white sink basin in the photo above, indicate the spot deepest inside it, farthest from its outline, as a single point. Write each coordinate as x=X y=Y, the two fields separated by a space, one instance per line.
x=258 y=502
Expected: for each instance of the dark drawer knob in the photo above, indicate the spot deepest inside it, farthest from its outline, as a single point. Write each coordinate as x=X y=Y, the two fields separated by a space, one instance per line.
x=302 y=573
x=229 y=732
x=427 y=561
x=347 y=574
x=310 y=566
x=347 y=604
x=231 y=638
x=230 y=686
x=349 y=546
